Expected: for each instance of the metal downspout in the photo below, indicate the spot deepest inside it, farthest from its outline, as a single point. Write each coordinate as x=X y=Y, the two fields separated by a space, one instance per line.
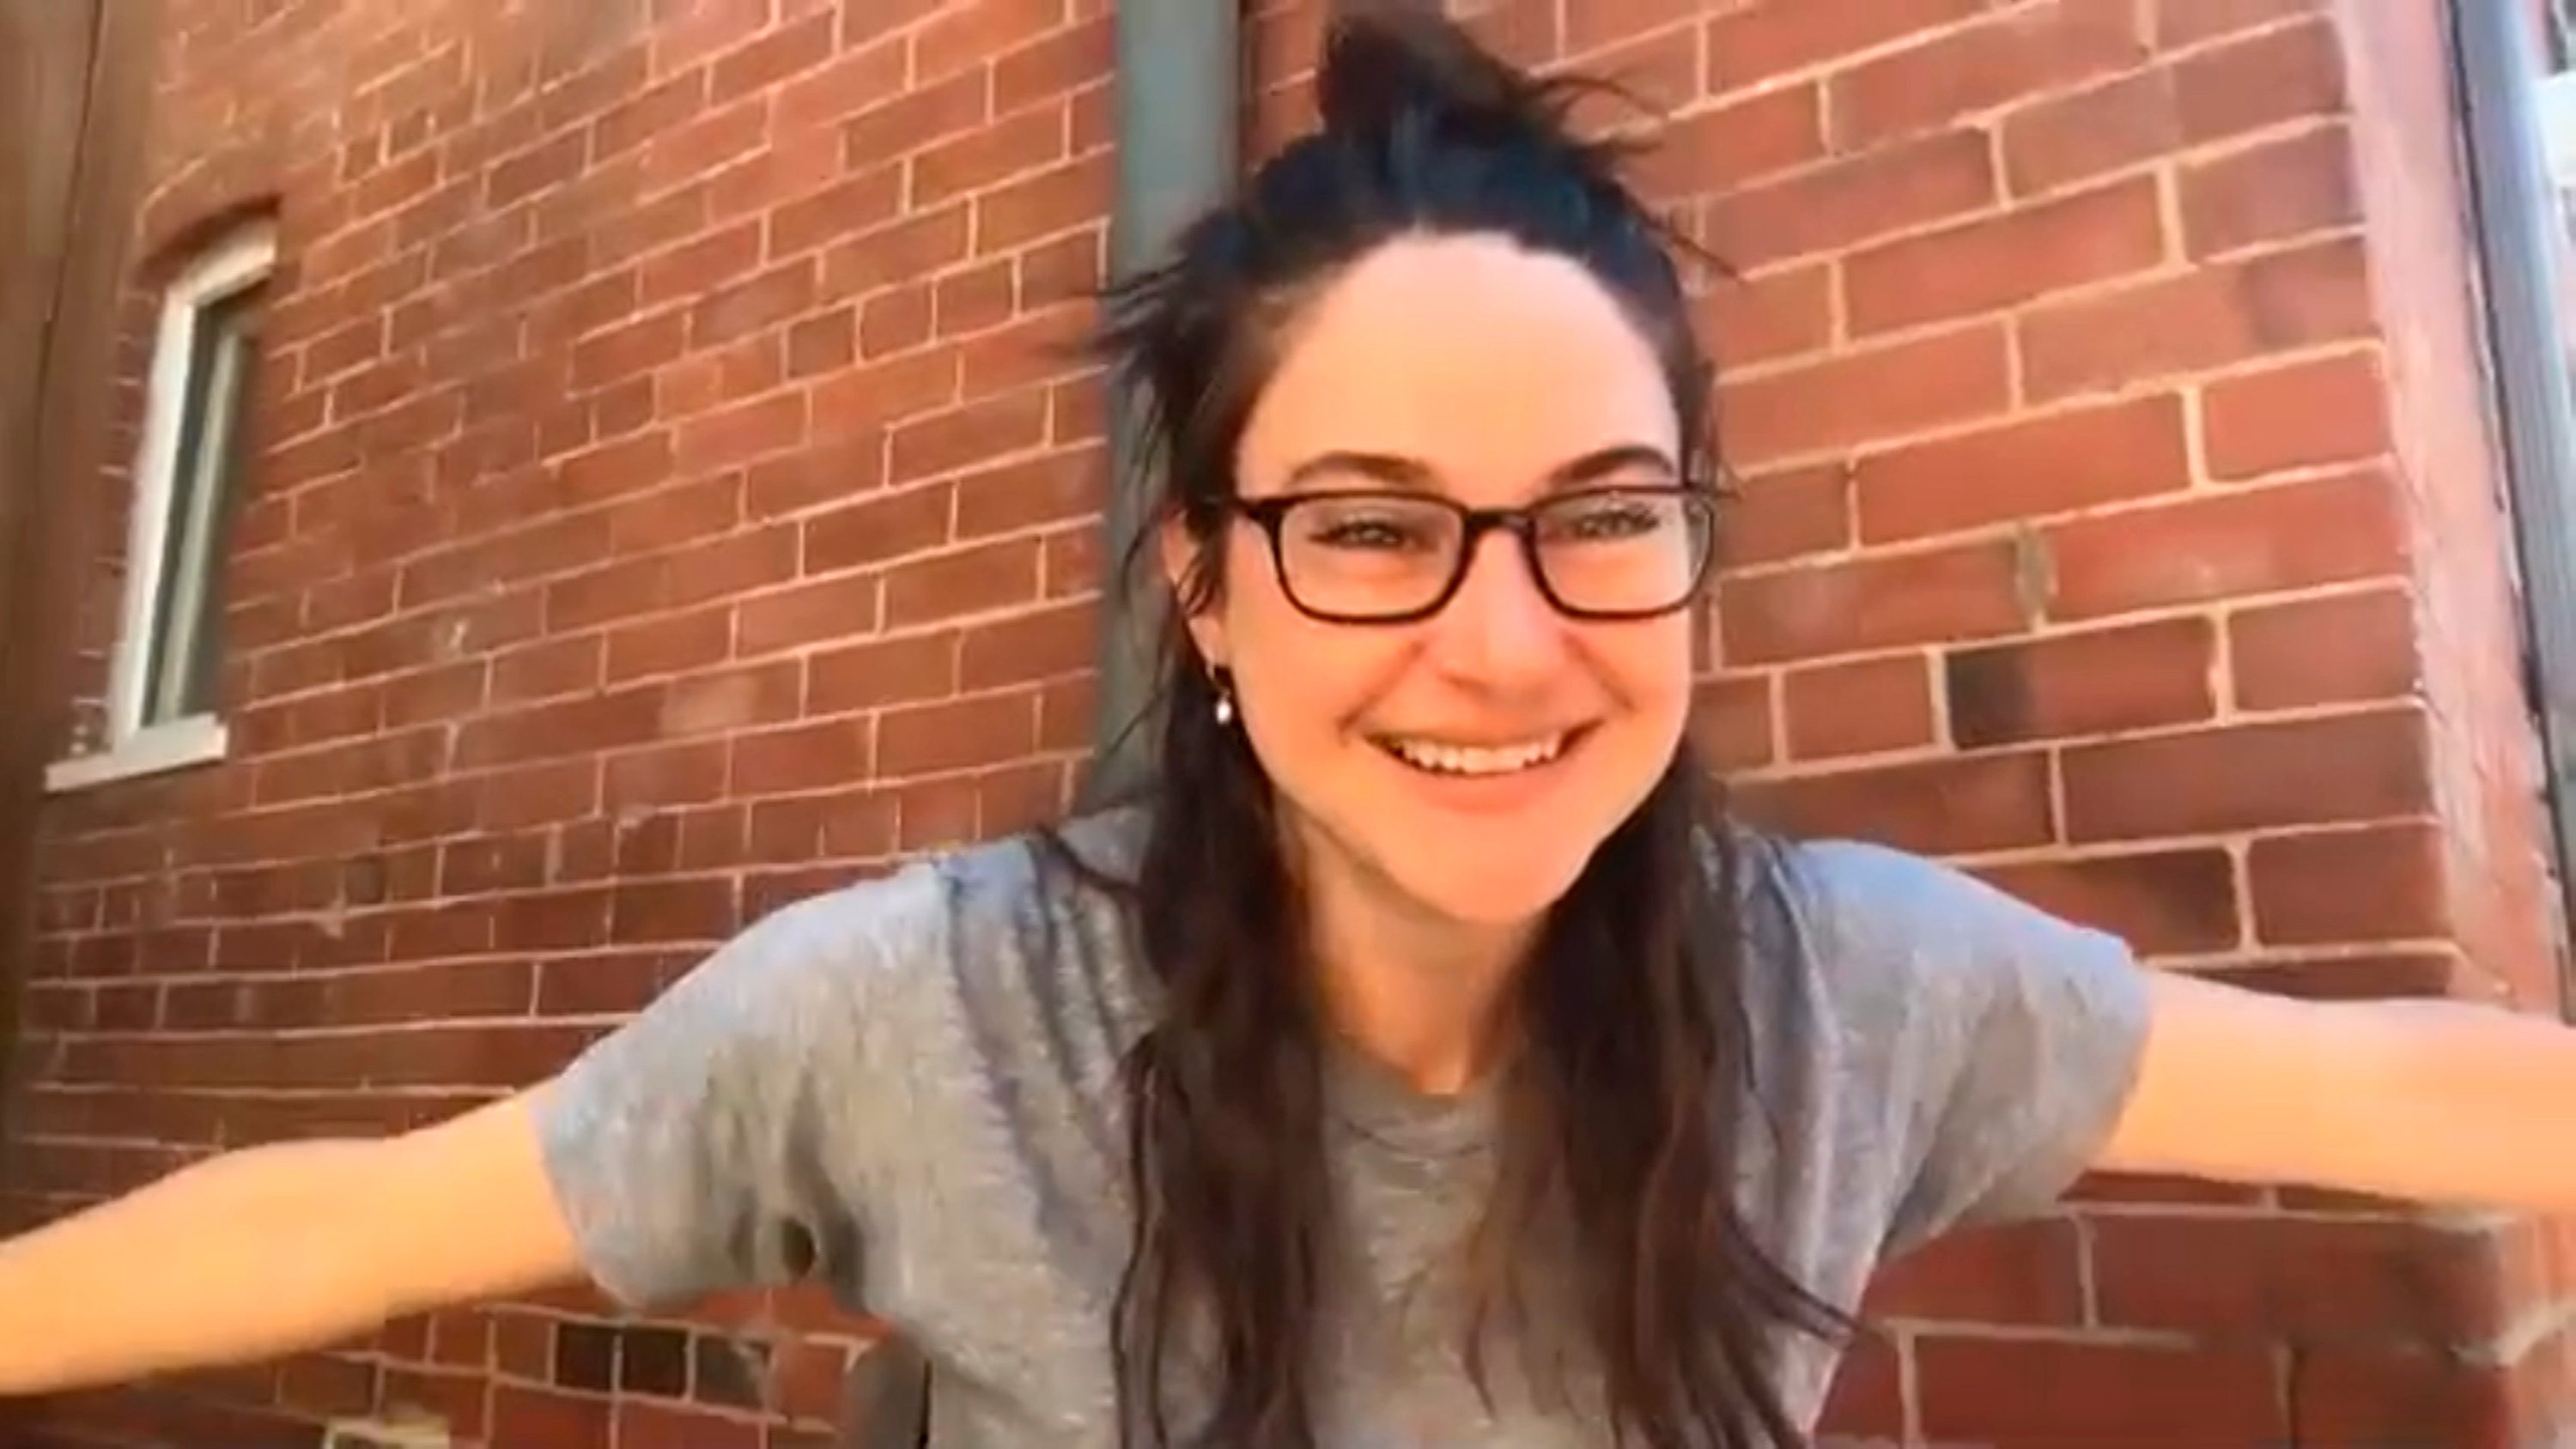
x=1179 y=90
x=2517 y=222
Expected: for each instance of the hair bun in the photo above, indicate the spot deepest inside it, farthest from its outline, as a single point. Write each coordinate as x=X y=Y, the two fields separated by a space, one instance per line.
x=1392 y=66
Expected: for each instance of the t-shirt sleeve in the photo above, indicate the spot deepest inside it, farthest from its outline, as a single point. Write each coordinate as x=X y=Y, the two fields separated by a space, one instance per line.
x=718 y=1140
x=2006 y=1038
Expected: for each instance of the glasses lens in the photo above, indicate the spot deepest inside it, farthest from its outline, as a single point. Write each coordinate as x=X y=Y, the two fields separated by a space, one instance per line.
x=1367 y=555
x=1623 y=551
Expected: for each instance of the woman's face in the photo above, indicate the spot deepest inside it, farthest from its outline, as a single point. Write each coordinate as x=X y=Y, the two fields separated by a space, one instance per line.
x=1465 y=764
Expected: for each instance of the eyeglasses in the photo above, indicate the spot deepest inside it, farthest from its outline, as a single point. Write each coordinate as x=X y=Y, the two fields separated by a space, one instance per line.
x=1396 y=557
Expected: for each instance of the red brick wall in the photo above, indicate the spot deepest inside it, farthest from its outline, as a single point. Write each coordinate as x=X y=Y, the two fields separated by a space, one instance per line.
x=673 y=496
x=712 y=519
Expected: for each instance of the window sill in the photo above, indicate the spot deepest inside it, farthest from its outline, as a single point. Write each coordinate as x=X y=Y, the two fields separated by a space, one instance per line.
x=178 y=745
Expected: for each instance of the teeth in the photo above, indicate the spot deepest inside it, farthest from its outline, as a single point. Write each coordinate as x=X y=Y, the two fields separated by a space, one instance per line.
x=1472 y=760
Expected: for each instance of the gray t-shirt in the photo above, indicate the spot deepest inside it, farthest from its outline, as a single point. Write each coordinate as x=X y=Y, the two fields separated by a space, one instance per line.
x=916 y=1077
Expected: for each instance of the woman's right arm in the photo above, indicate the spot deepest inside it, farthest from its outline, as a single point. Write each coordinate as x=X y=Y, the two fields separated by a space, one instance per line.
x=272 y=1250
x=720 y=1139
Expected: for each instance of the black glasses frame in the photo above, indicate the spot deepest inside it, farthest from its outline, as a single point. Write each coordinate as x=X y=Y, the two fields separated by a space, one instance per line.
x=1270 y=515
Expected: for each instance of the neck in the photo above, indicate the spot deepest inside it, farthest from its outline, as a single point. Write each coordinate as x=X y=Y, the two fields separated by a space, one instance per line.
x=1423 y=995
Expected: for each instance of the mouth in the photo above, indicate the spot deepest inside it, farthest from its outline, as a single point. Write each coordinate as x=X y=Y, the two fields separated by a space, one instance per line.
x=1456 y=760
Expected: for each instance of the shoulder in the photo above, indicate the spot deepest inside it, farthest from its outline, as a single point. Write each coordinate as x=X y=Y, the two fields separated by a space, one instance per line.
x=847 y=1044
x=994 y=949
x=1045 y=914
x=1856 y=906
x=1025 y=895
x=973 y=919
x=1911 y=957
x=1990 y=1043
x=1840 y=889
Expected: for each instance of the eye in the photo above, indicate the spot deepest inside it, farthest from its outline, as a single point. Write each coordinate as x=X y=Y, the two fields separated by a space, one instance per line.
x=1369 y=528
x=1365 y=533
x=1612 y=520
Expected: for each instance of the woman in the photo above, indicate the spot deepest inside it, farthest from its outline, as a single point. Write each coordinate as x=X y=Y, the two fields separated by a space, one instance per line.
x=1417 y=1065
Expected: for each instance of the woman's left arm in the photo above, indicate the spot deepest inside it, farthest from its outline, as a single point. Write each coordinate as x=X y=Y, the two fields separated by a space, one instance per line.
x=2433 y=1101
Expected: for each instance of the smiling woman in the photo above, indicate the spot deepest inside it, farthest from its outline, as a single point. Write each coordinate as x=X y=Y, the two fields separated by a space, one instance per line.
x=1423 y=1058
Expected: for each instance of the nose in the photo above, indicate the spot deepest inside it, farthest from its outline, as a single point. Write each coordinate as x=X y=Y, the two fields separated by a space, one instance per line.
x=1499 y=628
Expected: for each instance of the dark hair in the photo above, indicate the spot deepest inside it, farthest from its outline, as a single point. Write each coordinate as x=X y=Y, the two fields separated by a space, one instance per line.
x=1628 y=1093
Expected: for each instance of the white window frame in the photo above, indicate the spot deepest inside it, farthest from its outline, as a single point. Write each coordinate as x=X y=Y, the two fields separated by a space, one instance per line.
x=235 y=264
x=2558 y=127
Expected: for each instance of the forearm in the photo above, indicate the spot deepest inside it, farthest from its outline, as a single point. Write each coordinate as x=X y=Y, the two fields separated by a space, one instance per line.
x=2477 y=1107
x=2431 y=1101
x=236 y=1259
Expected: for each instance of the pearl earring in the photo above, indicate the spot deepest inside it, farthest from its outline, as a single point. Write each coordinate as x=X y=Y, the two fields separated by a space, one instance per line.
x=1223 y=683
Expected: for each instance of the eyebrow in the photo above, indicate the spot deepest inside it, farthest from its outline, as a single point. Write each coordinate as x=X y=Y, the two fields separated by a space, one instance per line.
x=1413 y=473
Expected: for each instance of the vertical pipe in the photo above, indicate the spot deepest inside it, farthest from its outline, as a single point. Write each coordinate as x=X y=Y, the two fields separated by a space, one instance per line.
x=1179 y=93
x=2518 y=222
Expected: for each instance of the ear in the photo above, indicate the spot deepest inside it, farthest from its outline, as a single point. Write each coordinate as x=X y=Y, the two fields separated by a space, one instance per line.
x=1181 y=550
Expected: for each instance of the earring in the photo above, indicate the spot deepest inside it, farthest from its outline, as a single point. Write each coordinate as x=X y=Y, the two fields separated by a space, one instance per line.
x=1223 y=683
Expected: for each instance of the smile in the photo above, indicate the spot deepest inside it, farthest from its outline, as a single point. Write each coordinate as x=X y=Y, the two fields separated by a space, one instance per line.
x=1442 y=758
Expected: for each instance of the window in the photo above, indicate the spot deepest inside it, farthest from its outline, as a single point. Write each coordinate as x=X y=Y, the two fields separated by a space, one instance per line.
x=161 y=706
